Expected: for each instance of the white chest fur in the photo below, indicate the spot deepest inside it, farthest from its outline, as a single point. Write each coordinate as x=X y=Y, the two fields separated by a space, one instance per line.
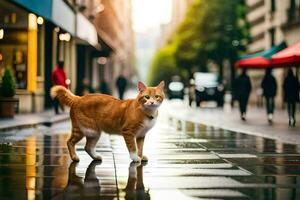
x=88 y=131
x=147 y=125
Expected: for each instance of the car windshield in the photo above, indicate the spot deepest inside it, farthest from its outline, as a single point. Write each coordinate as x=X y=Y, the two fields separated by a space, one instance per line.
x=206 y=79
x=176 y=86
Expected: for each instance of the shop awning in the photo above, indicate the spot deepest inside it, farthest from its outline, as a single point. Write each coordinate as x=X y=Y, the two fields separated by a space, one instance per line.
x=260 y=59
x=287 y=57
x=56 y=11
x=85 y=30
x=268 y=53
x=63 y=16
x=43 y=8
x=255 y=62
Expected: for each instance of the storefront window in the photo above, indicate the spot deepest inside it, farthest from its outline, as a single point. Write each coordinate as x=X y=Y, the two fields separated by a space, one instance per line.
x=13 y=44
x=14 y=52
x=19 y=66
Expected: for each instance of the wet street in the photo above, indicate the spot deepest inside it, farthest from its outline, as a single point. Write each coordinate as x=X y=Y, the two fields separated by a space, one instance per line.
x=186 y=161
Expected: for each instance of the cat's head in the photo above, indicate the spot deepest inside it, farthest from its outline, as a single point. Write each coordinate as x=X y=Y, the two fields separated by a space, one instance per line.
x=151 y=97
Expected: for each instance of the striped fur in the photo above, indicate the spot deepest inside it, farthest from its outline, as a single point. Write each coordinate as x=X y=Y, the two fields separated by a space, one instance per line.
x=63 y=95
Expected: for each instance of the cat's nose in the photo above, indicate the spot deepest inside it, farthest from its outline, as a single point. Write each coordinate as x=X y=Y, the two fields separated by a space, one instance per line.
x=152 y=103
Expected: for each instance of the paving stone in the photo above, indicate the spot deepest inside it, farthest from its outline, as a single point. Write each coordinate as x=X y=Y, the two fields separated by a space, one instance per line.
x=200 y=163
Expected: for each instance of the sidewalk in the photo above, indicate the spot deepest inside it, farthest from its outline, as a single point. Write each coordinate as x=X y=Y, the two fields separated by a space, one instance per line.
x=201 y=163
x=47 y=118
x=33 y=119
x=256 y=123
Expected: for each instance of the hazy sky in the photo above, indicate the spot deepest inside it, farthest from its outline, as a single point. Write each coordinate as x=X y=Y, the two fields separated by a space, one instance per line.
x=150 y=13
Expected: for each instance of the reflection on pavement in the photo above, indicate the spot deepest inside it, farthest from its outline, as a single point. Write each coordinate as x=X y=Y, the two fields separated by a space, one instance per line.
x=186 y=161
x=135 y=186
x=79 y=187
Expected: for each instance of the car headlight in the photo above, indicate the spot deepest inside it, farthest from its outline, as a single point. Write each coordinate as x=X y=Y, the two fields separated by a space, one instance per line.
x=220 y=88
x=200 y=89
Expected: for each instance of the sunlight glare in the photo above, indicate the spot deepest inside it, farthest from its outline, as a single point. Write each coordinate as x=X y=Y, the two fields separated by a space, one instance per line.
x=150 y=13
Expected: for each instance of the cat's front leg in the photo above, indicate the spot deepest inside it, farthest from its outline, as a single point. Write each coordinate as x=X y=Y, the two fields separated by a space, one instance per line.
x=140 y=145
x=131 y=146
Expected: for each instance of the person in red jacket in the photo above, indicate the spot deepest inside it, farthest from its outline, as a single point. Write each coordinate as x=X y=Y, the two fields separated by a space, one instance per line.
x=59 y=78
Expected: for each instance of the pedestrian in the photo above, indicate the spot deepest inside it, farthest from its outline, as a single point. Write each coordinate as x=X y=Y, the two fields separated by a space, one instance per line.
x=104 y=88
x=58 y=78
x=269 y=87
x=242 y=86
x=86 y=87
x=291 y=95
x=121 y=85
x=192 y=94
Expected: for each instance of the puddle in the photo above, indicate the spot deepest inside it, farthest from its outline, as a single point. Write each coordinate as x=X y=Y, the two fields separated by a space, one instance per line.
x=191 y=161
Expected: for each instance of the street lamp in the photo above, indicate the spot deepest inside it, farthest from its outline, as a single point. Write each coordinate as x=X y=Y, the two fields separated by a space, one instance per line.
x=235 y=43
x=1 y=33
x=102 y=60
x=40 y=20
x=64 y=37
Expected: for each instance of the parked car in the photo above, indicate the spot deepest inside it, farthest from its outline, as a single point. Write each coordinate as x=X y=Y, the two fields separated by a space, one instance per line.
x=208 y=88
x=175 y=90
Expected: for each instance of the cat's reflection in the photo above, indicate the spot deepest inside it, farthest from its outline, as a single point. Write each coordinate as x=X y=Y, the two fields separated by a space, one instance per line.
x=135 y=186
x=81 y=188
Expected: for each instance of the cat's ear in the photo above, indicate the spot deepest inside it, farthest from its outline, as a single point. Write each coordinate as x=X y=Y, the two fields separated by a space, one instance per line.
x=161 y=85
x=141 y=86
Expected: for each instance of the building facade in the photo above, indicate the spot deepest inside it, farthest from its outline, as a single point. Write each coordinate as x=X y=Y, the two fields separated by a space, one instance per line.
x=271 y=22
x=113 y=23
x=93 y=37
x=179 y=9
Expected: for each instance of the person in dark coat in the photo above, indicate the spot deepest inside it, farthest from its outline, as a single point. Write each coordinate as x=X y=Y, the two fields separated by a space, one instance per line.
x=291 y=95
x=104 y=88
x=58 y=78
x=269 y=87
x=121 y=85
x=85 y=88
x=242 y=89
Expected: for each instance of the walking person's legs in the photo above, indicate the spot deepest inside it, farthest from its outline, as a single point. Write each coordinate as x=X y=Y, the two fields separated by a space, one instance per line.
x=293 y=113
x=243 y=107
x=240 y=107
x=62 y=107
x=190 y=102
x=267 y=105
x=289 y=112
x=270 y=108
x=56 y=104
x=121 y=93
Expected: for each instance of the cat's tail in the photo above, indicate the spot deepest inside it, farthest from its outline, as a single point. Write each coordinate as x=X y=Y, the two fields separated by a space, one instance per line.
x=64 y=95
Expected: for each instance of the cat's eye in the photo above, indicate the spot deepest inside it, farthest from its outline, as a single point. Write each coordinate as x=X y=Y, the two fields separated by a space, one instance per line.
x=157 y=96
x=147 y=96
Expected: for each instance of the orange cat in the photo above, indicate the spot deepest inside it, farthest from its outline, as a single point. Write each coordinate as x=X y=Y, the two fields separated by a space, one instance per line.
x=93 y=113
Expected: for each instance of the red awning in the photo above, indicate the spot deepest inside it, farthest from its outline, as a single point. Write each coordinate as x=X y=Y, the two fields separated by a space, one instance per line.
x=288 y=56
x=255 y=62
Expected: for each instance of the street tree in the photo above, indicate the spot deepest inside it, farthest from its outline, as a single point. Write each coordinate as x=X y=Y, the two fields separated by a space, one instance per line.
x=212 y=30
x=163 y=65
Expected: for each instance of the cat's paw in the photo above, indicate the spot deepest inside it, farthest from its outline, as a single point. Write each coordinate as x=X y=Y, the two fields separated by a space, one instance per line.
x=97 y=158
x=144 y=159
x=134 y=157
x=132 y=169
x=75 y=158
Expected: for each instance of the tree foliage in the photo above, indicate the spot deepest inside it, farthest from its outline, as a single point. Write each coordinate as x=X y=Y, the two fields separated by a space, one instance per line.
x=163 y=65
x=8 y=84
x=212 y=30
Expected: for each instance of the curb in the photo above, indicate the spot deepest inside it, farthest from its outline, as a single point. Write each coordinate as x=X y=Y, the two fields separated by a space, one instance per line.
x=238 y=130
x=43 y=121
